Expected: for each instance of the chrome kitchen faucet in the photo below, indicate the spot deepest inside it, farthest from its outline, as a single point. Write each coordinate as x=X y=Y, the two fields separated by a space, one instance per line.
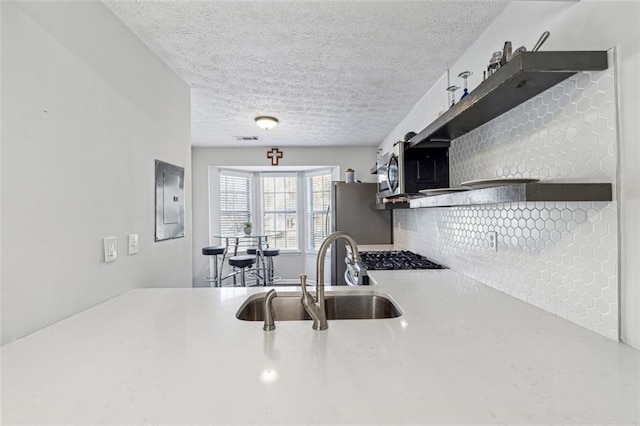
x=315 y=305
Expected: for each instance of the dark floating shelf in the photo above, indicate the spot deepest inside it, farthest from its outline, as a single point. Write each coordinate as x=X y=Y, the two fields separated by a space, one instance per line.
x=391 y=206
x=525 y=76
x=520 y=193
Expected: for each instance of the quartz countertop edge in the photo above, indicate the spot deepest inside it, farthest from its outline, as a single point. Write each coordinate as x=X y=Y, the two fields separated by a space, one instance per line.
x=377 y=247
x=461 y=352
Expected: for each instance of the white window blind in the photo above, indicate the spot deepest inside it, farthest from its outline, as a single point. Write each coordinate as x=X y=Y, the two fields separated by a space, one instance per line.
x=318 y=214
x=280 y=210
x=235 y=202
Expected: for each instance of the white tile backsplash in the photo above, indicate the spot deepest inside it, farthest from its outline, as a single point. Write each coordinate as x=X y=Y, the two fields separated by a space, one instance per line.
x=561 y=257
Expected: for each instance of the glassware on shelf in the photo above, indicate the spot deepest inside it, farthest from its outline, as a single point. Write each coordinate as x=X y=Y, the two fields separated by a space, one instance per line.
x=452 y=90
x=464 y=75
x=494 y=63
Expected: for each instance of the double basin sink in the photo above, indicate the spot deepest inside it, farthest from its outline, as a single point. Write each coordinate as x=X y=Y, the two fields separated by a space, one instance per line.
x=340 y=305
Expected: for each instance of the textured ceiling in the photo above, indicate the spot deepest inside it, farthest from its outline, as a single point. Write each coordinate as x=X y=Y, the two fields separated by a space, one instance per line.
x=333 y=72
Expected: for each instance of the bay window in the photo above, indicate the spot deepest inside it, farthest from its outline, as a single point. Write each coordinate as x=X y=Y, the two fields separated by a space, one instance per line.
x=291 y=208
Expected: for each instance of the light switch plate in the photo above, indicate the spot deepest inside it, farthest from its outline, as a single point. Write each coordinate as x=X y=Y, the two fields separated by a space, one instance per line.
x=110 y=249
x=133 y=243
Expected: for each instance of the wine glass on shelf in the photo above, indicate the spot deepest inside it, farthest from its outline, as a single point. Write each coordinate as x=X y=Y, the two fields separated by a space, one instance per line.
x=452 y=90
x=464 y=75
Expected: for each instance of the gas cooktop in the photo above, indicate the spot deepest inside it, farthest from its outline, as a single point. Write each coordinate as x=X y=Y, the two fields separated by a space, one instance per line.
x=395 y=259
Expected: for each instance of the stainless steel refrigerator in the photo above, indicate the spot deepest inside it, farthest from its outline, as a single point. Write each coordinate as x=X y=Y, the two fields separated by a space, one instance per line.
x=352 y=206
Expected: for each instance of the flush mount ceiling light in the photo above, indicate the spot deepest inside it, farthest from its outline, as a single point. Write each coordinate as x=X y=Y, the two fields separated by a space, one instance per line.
x=265 y=122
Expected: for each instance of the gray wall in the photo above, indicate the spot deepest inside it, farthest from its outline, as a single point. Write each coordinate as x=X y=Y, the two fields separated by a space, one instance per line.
x=86 y=108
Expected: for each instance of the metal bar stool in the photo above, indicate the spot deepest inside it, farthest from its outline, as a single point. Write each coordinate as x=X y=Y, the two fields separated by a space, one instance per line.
x=269 y=254
x=214 y=252
x=259 y=273
x=242 y=263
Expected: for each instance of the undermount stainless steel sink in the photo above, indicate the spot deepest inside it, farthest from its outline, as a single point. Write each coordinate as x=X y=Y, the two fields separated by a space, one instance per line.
x=339 y=306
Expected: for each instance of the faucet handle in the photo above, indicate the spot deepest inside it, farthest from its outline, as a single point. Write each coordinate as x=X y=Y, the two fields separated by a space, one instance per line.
x=303 y=283
x=305 y=294
x=269 y=314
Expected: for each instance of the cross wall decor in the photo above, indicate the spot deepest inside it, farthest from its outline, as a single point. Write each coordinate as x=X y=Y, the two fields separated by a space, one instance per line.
x=275 y=155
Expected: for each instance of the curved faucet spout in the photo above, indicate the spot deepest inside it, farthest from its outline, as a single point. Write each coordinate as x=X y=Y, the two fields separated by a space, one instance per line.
x=316 y=307
x=324 y=247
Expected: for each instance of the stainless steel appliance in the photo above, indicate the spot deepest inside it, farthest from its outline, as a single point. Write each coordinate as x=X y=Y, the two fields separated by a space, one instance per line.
x=387 y=171
x=353 y=212
x=407 y=171
x=385 y=260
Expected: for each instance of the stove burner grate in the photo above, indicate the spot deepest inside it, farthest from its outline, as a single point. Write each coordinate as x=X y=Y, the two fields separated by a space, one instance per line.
x=395 y=260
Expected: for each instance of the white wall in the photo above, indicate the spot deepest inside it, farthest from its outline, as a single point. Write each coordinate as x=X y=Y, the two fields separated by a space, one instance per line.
x=86 y=108
x=561 y=257
x=361 y=159
x=1 y=173
x=587 y=25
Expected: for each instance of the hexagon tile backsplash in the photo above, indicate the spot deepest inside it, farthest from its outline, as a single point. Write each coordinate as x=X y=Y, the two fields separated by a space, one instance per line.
x=562 y=256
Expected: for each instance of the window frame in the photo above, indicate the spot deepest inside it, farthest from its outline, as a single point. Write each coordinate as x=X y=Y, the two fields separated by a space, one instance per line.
x=251 y=197
x=261 y=212
x=307 y=213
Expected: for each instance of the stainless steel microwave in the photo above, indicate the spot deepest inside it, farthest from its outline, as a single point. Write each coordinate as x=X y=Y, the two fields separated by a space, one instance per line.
x=408 y=171
x=388 y=176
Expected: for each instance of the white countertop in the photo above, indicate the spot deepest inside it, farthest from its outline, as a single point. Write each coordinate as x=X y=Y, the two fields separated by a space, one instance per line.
x=461 y=353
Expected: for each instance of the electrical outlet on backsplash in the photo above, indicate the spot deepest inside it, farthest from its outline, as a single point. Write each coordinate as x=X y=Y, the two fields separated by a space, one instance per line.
x=559 y=256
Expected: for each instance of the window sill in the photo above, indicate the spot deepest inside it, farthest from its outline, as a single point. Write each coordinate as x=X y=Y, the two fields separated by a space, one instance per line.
x=290 y=252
